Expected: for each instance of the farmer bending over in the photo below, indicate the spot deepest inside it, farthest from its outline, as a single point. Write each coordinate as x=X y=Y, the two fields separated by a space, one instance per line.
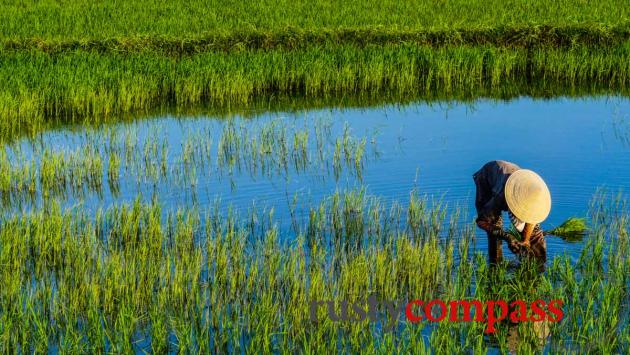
x=503 y=186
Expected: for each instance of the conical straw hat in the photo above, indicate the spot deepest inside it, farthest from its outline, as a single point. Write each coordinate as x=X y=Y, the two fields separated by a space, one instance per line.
x=527 y=196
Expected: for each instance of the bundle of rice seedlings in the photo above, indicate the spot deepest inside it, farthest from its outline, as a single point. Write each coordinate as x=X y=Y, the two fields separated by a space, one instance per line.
x=573 y=229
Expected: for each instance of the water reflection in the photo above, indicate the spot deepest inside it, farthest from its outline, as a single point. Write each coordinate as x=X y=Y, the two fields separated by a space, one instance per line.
x=577 y=145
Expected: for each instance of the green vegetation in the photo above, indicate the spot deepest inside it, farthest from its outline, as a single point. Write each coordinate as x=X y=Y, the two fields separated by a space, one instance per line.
x=37 y=89
x=273 y=150
x=89 y=20
x=80 y=61
x=142 y=276
x=572 y=229
x=290 y=39
x=138 y=278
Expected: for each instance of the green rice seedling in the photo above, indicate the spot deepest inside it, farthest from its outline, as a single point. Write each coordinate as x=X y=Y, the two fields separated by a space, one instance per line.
x=18 y=179
x=337 y=159
x=300 y=150
x=358 y=157
x=130 y=142
x=570 y=230
x=122 y=156
x=53 y=172
x=113 y=172
x=113 y=169
x=228 y=146
x=353 y=214
x=93 y=165
x=122 y=256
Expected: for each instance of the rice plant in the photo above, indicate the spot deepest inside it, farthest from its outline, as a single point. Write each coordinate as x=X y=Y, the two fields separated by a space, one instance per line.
x=134 y=278
x=82 y=23
x=272 y=149
x=38 y=90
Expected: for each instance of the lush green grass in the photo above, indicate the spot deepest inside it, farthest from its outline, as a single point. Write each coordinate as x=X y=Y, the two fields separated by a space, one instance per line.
x=137 y=278
x=505 y=37
x=83 y=61
x=86 y=86
x=85 y=19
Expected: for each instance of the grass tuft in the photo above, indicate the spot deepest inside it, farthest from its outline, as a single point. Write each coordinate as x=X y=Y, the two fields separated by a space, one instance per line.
x=573 y=229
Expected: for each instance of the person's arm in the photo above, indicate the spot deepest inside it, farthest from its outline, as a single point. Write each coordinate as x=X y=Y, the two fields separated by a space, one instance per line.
x=495 y=231
x=513 y=244
x=527 y=233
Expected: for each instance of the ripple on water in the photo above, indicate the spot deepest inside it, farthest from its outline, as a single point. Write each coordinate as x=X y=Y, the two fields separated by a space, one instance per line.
x=576 y=145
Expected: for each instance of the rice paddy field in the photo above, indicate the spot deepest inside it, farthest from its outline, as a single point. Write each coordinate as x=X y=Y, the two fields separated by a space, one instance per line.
x=84 y=61
x=189 y=177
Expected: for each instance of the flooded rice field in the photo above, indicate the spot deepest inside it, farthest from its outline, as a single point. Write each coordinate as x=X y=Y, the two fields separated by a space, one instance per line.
x=290 y=161
x=215 y=233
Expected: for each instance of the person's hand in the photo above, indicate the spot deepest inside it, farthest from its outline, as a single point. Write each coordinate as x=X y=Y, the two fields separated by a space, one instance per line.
x=519 y=248
x=515 y=246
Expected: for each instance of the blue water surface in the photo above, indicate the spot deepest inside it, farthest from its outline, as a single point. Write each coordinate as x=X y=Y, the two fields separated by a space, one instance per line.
x=577 y=145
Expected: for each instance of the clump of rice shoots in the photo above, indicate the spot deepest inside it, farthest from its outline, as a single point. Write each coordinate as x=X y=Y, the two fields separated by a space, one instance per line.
x=573 y=229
